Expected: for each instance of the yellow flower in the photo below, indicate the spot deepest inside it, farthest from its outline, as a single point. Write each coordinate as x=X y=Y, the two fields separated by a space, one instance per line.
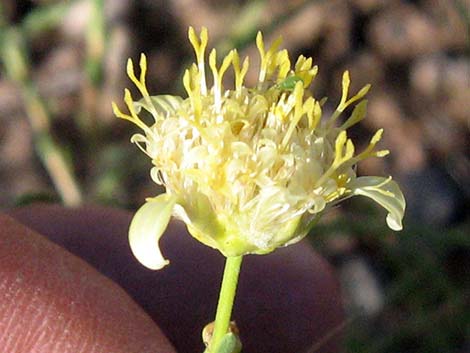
x=248 y=169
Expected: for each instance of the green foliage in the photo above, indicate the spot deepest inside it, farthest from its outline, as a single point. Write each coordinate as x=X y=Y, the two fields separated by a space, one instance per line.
x=424 y=278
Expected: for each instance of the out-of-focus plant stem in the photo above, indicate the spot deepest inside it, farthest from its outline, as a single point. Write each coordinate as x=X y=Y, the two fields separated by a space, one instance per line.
x=44 y=18
x=95 y=49
x=95 y=42
x=15 y=61
x=464 y=14
x=247 y=26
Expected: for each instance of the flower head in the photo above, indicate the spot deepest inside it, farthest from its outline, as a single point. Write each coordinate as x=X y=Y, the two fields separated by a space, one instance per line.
x=248 y=169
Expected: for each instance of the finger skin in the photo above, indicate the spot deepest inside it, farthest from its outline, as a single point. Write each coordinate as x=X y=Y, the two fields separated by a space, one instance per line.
x=287 y=301
x=53 y=302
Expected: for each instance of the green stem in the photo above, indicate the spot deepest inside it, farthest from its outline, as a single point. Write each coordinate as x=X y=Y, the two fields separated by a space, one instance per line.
x=226 y=298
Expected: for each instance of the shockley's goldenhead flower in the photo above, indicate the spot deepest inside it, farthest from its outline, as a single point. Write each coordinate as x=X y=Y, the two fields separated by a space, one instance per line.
x=248 y=169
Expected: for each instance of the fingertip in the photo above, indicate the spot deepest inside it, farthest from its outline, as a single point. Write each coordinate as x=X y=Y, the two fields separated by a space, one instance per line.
x=52 y=301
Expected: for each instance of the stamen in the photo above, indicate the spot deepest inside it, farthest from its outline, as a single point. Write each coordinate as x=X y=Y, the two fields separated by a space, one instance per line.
x=373 y=141
x=196 y=98
x=344 y=103
x=369 y=151
x=266 y=57
x=239 y=73
x=345 y=84
x=133 y=117
x=215 y=74
x=223 y=68
x=304 y=70
x=140 y=83
x=357 y=115
x=362 y=92
x=143 y=70
x=132 y=76
x=298 y=113
x=282 y=63
x=262 y=55
x=382 y=153
x=315 y=119
x=340 y=158
x=199 y=49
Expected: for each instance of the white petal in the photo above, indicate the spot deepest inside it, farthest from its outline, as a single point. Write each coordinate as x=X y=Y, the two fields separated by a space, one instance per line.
x=146 y=229
x=386 y=193
x=162 y=104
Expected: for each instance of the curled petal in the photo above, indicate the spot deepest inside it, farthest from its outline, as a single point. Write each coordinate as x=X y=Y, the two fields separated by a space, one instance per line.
x=146 y=229
x=386 y=193
x=162 y=105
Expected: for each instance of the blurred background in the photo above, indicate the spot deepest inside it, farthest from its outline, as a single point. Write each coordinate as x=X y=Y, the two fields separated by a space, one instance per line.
x=63 y=62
